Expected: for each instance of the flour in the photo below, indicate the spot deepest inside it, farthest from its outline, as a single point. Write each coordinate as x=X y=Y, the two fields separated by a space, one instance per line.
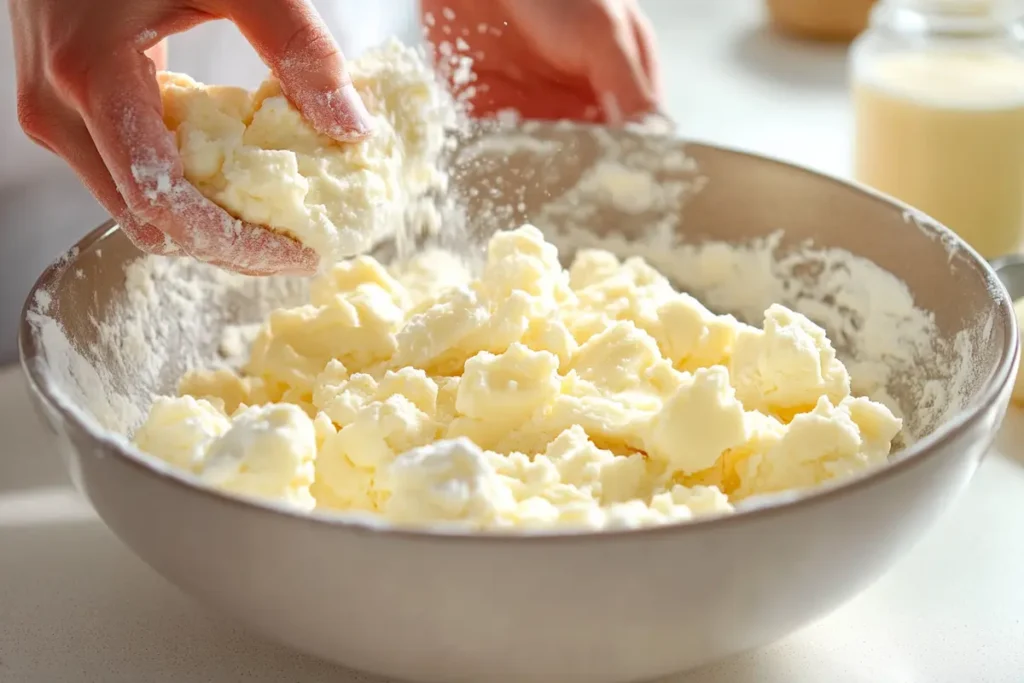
x=42 y=301
x=83 y=382
x=584 y=187
x=169 y=317
x=892 y=347
x=146 y=38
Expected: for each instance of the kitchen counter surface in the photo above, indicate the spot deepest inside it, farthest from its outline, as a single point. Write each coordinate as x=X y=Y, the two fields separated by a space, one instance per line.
x=76 y=605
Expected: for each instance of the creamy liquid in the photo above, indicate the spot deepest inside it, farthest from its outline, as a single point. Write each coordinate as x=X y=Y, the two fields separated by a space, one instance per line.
x=944 y=132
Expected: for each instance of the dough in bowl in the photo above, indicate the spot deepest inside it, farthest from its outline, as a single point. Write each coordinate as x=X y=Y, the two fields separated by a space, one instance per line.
x=253 y=153
x=528 y=396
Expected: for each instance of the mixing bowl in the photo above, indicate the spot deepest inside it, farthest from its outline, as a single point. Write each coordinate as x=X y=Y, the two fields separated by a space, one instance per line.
x=447 y=606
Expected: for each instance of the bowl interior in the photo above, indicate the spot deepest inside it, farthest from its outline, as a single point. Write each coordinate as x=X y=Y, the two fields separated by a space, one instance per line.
x=919 y=317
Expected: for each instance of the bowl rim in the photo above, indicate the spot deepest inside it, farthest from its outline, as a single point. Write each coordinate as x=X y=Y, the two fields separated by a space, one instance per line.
x=31 y=356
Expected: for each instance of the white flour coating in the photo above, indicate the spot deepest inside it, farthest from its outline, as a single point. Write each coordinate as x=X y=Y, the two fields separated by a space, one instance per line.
x=171 y=317
x=146 y=37
x=932 y=228
x=223 y=235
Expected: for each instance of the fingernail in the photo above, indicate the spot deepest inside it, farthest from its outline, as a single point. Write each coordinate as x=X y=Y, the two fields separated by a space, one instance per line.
x=355 y=121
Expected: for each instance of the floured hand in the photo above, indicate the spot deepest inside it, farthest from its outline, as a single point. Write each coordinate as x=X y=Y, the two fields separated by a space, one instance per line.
x=87 y=92
x=586 y=60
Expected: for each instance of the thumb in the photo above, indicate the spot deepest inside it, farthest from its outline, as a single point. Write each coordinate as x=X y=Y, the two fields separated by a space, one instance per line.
x=294 y=42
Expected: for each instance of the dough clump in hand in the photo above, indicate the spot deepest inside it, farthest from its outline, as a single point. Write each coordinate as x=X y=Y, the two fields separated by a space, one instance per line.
x=253 y=154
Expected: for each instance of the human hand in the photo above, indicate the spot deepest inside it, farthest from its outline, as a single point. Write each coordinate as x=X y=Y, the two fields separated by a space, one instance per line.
x=87 y=92
x=591 y=60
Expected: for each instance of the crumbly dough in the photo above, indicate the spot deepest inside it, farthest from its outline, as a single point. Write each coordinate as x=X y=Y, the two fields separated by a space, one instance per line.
x=253 y=153
x=529 y=397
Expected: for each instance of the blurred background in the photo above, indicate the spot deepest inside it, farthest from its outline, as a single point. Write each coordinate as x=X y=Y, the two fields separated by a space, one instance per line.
x=920 y=99
x=733 y=78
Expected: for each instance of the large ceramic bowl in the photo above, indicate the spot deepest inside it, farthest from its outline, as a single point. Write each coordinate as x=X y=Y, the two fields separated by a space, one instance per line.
x=619 y=606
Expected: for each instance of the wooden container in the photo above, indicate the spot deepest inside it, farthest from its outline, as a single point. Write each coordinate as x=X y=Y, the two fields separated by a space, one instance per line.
x=826 y=20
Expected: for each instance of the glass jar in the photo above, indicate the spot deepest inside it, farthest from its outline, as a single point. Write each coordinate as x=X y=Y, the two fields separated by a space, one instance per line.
x=938 y=92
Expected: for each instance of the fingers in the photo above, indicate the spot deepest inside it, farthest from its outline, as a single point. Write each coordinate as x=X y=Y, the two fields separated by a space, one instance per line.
x=60 y=129
x=142 y=235
x=647 y=48
x=123 y=114
x=615 y=70
x=294 y=42
x=496 y=92
x=92 y=98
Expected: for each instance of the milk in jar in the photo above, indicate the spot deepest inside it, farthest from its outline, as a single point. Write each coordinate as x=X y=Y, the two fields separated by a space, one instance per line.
x=939 y=116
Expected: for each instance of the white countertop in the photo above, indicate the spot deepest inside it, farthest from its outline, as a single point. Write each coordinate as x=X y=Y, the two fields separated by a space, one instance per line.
x=76 y=605
x=729 y=79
